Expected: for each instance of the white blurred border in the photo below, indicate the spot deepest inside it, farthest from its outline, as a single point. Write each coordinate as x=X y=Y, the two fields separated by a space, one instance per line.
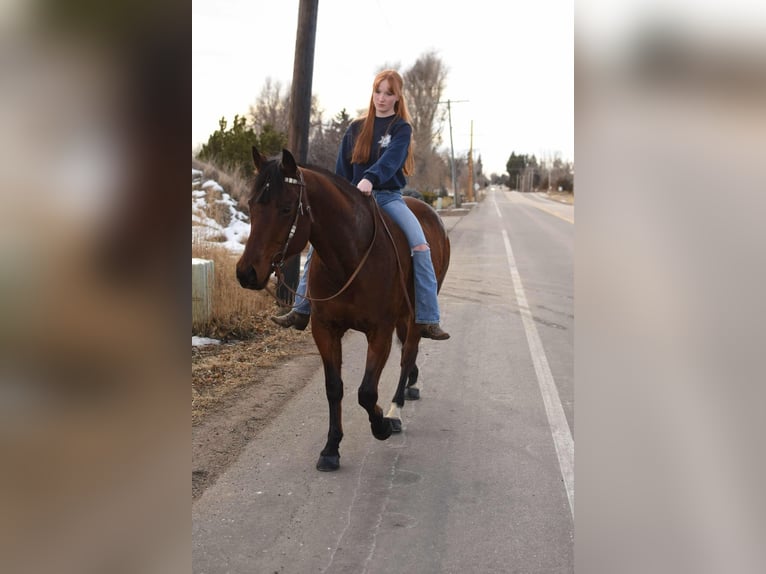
x=670 y=126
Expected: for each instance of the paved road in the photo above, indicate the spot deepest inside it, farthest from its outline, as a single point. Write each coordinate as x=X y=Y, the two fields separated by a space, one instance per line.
x=481 y=479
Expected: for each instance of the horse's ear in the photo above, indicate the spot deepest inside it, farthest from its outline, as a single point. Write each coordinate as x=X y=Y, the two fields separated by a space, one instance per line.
x=288 y=162
x=258 y=159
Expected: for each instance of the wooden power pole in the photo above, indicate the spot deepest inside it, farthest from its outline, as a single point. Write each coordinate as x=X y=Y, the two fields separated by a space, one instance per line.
x=303 y=72
x=452 y=149
x=300 y=113
x=470 y=168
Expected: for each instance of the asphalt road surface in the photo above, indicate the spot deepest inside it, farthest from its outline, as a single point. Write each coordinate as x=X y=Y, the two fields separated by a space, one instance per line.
x=481 y=479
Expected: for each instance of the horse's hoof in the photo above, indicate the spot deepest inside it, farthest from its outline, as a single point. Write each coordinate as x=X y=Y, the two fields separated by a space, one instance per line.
x=411 y=394
x=383 y=430
x=328 y=463
x=396 y=426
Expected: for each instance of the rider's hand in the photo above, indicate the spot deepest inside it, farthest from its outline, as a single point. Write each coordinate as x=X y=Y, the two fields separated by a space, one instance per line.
x=365 y=186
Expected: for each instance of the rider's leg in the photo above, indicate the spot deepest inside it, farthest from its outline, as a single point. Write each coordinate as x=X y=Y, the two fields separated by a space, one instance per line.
x=426 y=286
x=303 y=305
x=298 y=316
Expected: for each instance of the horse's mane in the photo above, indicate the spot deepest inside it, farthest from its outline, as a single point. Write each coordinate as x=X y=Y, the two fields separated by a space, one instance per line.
x=269 y=182
x=340 y=182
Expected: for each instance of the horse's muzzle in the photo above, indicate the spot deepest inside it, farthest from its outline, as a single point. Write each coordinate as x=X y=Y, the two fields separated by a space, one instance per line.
x=248 y=278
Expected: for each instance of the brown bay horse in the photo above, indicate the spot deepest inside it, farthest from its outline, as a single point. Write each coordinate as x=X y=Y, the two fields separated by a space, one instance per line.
x=360 y=276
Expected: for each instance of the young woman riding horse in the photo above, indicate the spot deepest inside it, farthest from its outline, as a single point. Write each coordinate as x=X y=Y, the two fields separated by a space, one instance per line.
x=375 y=155
x=362 y=275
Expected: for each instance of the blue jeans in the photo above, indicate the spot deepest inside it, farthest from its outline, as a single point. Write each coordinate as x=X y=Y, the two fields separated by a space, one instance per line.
x=303 y=306
x=426 y=303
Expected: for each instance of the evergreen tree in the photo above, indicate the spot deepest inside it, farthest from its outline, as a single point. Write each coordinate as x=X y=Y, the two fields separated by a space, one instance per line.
x=515 y=167
x=231 y=148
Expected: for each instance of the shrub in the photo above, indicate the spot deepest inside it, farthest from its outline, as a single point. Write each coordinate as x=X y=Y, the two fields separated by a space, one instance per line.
x=231 y=148
x=430 y=197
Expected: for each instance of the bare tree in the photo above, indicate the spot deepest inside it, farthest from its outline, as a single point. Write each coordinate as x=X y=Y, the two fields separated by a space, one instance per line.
x=424 y=84
x=326 y=138
x=271 y=108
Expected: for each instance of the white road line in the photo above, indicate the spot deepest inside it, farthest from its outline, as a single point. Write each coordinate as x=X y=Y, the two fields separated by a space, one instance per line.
x=536 y=205
x=497 y=209
x=562 y=437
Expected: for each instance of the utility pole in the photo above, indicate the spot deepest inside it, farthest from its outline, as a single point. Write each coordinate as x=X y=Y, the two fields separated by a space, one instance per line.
x=470 y=168
x=452 y=148
x=300 y=113
x=303 y=72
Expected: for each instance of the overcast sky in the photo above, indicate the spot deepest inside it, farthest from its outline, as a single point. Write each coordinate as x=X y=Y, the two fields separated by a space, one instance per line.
x=513 y=62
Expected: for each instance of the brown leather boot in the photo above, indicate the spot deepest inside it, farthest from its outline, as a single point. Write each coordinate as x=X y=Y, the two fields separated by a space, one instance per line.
x=433 y=331
x=292 y=319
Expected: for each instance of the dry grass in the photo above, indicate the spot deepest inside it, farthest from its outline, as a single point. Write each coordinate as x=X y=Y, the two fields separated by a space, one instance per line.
x=216 y=208
x=562 y=196
x=235 y=184
x=237 y=313
x=251 y=344
x=218 y=371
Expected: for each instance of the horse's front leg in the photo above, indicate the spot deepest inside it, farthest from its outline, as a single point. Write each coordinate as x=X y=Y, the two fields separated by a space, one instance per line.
x=330 y=348
x=378 y=349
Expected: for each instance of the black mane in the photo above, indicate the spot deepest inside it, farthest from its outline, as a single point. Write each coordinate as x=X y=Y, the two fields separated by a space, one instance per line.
x=269 y=181
x=340 y=182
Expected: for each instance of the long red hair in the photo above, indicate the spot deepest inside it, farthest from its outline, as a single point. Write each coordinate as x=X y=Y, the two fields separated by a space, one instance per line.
x=361 y=153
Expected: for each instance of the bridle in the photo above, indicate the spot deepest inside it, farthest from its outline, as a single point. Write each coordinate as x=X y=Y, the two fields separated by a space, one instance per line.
x=278 y=261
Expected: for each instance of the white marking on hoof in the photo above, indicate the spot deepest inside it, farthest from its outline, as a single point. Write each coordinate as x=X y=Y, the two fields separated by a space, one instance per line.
x=394 y=412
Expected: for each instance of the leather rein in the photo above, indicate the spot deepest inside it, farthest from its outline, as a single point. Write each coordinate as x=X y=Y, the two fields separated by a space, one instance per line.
x=277 y=265
x=278 y=262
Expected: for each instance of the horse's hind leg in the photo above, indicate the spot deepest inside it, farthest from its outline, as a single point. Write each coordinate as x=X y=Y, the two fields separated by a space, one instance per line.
x=330 y=349
x=408 y=368
x=378 y=349
x=411 y=391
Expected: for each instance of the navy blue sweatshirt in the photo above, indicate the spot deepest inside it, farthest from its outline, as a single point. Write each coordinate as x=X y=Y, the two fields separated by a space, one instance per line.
x=390 y=142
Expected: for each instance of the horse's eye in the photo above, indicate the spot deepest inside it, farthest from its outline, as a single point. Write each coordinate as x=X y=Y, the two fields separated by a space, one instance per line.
x=285 y=210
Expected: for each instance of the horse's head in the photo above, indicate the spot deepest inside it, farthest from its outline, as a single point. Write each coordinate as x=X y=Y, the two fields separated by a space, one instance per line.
x=278 y=226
